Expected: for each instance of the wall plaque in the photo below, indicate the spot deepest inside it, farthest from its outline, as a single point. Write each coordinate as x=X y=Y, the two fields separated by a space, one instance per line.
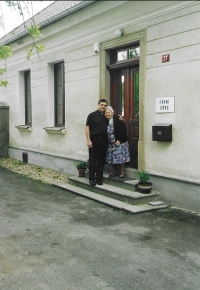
x=165 y=105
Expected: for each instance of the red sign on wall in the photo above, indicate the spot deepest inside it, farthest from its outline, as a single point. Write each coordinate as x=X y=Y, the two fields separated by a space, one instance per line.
x=165 y=57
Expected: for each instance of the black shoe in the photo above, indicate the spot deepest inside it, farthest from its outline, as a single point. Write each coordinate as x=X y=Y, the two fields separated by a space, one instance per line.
x=112 y=174
x=122 y=176
x=100 y=182
x=92 y=182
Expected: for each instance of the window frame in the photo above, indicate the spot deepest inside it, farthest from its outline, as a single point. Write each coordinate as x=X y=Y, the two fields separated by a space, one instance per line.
x=28 y=103
x=113 y=53
x=56 y=98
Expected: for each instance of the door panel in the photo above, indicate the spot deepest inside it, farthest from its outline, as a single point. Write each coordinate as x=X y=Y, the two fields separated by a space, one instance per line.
x=125 y=102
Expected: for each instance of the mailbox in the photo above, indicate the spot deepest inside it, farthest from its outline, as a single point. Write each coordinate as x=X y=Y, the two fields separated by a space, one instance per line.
x=162 y=132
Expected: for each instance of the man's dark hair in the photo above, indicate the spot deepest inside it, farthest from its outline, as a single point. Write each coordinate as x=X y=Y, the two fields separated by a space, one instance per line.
x=102 y=101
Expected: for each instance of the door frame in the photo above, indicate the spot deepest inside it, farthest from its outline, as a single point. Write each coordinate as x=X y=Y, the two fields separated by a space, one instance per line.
x=131 y=120
x=105 y=80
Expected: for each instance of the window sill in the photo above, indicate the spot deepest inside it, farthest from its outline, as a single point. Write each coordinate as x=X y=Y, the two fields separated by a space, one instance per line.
x=24 y=128
x=55 y=130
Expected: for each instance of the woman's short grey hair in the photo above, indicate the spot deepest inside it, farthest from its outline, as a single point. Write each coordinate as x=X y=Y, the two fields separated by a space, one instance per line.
x=110 y=109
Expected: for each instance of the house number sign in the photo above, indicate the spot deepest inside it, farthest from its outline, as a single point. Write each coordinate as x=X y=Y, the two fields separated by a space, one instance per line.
x=165 y=57
x=165 y=105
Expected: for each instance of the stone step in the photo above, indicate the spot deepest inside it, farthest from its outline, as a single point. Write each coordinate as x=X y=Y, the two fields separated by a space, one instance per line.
x=126 y=183
x=115 y=192
x=108 y=200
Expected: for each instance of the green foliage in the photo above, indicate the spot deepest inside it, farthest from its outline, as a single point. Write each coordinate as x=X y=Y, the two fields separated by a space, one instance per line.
x=34 y=31
x=38 y=48
x=5 y=51
x=144 y=176
x=11 y=3
x=3 y=83
x=2 y=70
x=132 y=53
x=136 y=79
x=16 y=162
x=82 y=164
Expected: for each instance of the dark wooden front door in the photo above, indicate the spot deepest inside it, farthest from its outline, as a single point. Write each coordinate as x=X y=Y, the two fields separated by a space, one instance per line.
x=124 y=98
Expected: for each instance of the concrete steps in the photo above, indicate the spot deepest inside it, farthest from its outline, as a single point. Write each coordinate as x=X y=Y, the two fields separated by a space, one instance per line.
x=120 y=194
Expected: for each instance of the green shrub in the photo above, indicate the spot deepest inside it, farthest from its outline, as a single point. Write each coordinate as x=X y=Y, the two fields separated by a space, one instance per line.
x=82 y=164
x=144 y=176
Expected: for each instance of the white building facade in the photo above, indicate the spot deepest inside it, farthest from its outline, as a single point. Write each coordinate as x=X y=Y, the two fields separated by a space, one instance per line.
x=143 y=57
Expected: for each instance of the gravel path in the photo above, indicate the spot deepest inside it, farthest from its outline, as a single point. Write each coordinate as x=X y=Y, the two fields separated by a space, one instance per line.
x=32 y=172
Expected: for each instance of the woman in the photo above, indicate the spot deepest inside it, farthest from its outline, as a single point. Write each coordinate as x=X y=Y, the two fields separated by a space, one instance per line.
x=118 y=149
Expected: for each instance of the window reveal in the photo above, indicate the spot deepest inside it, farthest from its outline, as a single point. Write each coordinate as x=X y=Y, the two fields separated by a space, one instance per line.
x=59 y=88
x=28 y=105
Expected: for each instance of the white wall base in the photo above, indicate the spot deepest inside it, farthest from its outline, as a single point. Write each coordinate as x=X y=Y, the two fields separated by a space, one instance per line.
x=176 y=193
x=53 y=162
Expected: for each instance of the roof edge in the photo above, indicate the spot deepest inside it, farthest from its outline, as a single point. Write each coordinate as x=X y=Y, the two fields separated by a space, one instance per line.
x=82 y=5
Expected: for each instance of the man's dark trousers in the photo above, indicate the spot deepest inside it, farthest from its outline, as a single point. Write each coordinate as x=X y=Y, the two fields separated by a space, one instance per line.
x=97 y=156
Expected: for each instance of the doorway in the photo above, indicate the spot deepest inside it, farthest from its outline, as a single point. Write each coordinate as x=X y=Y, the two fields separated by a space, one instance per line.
x=124 y=93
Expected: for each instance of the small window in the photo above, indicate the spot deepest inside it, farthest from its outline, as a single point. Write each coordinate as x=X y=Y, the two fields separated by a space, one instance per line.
x=59 y=89
x=122 y=55
x=128 y=53
x=28 y=105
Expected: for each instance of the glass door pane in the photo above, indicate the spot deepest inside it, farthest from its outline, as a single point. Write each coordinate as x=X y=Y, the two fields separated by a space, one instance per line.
x=120 y=95
x=136 y=94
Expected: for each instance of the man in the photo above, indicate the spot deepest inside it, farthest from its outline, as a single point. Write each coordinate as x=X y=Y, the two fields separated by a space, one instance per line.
x=97 y=142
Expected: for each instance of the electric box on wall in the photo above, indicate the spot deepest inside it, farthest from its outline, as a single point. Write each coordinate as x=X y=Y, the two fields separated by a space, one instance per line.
x=162 y=132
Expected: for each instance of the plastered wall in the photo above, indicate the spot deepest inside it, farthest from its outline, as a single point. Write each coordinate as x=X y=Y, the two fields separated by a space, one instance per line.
x=169 y=27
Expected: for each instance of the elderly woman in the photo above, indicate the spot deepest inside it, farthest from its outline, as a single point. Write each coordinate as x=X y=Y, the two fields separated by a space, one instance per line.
x=118 y=148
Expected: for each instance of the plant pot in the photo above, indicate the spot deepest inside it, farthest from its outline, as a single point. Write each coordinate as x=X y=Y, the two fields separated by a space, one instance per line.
x=145 y=187
x=81 y=172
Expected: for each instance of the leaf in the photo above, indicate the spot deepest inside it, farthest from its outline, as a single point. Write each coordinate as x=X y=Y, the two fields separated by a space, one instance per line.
x=40 y=48
x=2 y=70
x=34 y=31
x=3 y=83
x=5 y=51
x=29 y=52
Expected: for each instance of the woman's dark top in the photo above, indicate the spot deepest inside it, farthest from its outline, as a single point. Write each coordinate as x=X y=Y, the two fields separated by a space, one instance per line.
x=119 y=129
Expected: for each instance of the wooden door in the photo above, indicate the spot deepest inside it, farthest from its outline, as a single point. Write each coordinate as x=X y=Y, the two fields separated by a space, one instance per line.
x=125 y=101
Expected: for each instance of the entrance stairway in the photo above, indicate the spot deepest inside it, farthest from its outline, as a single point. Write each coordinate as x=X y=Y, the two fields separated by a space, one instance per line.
x=118 y=193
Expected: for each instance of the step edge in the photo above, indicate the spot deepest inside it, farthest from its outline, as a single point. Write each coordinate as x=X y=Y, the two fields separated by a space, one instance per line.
x=108 y=200
x=127 y=192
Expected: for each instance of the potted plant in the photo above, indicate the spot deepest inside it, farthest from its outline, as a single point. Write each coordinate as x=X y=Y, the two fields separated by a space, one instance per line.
x=81 y=166
x=144 y=185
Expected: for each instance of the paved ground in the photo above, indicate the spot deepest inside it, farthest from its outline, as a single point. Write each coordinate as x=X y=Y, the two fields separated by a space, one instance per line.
x=52 y=239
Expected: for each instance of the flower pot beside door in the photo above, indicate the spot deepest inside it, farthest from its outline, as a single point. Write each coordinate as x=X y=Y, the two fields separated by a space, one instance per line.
x=144 y=186
x=81 y=166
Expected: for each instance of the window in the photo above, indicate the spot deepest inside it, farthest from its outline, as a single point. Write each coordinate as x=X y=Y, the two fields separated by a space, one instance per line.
x=59 y=94
x=123 y=54
x=128 y=53
x=28 y=106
